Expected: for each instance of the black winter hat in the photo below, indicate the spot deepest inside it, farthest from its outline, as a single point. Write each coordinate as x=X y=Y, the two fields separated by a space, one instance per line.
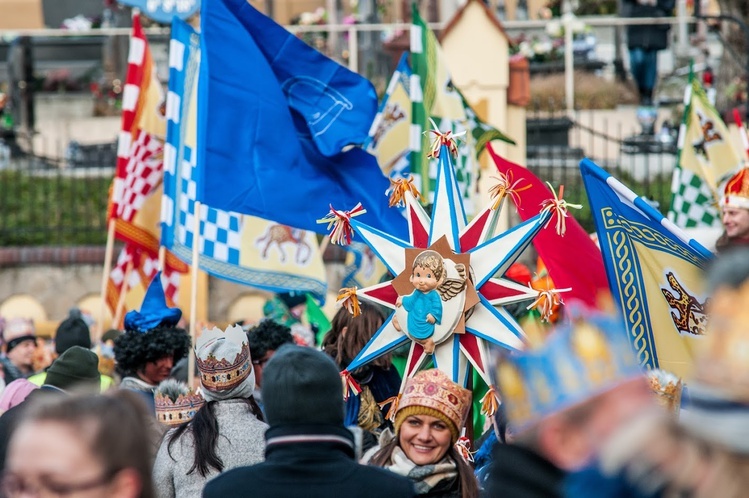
x=302 y=386
x=73 y=331
x=292 y=299
x=75 y=368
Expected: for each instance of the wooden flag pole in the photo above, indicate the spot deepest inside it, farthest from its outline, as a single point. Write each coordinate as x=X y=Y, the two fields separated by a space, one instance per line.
x=123 y=293
x=162 y=258
x=104 y=280
x=194 y=292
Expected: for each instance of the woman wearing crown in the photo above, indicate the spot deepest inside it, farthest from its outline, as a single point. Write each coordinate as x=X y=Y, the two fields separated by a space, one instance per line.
x=226 y=432
x=429 y=417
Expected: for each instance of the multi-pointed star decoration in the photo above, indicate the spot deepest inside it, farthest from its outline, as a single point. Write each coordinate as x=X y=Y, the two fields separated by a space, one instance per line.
x=485 y=320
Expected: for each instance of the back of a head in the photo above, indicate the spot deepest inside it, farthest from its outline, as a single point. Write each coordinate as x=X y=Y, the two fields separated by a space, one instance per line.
x=730 y=269
x=268 y=335
x=302 y=386
x=113 y=426
x=73 y=331
x=76 y=369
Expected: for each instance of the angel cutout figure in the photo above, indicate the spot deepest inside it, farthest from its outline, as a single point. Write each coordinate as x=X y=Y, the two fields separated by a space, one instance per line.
x=424 y=304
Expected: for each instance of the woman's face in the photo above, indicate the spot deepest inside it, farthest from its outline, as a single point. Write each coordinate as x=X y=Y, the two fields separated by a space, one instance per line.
x=424 y=439
x=51 y=458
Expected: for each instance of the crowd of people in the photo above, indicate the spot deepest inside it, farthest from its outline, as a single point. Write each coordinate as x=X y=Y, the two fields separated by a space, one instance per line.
x=577 y=416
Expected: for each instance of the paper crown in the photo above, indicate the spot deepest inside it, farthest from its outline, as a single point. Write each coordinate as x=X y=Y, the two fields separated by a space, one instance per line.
x=223 y=358
x=176 y=403
x=667 y=388
x=736 y=191
x=723 y=360
x=579 y=360
x=153 y=311
x=432 y=389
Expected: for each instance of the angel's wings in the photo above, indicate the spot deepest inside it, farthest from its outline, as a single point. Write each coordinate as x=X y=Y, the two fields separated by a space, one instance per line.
x=451 y=287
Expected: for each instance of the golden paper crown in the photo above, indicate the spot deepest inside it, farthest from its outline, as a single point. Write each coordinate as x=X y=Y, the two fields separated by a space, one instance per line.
x=723 y=361
x=176 y=403
x=579 y=360
x=223 y=358
x=736 y=191
x=667 y=388
x=432 y=389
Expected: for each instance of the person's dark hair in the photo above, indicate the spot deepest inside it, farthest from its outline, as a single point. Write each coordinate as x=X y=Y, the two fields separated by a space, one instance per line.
x=114 y=425
x=267 y=335
x=359 y=330
x=132 y=350
x=469 y=486
x=205 y=433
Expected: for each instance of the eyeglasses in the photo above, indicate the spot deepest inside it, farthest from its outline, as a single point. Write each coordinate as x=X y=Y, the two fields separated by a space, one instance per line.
x=15 y=485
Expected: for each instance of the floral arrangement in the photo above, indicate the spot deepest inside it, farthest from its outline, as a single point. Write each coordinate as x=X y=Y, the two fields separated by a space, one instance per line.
x=550 y=47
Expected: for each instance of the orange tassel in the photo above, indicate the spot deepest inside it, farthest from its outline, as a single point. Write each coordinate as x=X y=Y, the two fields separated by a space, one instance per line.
x=398 y=189
x=490 y=402
x=504 y=187
x=463 y=446
x=558 y=207
x=393 y=401
x=349 y=300
x=349 y=385
x=340 y=221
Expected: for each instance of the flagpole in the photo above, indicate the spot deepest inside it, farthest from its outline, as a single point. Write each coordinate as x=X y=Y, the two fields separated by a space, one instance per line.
x=194 y=291
x=123 y=293
x=105 y=279
x=162 y=257
x=742 y=130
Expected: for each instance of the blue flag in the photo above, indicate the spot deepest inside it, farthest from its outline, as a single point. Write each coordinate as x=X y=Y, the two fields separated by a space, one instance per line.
x=654 y=271
x=244 y=249
x=276 y=115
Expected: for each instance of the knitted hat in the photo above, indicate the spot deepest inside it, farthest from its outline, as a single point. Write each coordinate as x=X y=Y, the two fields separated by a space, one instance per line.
x=76 y=367
x=302 y=386
x=736 y=191
x=18 y=330
x=73 y=331
x=432 y=393
x=224 y=363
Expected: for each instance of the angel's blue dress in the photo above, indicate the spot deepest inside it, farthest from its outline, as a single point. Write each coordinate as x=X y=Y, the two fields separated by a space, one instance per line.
x=418 y=305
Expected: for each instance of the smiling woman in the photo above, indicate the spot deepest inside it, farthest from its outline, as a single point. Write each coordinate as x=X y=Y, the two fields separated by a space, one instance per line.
x=430 y=415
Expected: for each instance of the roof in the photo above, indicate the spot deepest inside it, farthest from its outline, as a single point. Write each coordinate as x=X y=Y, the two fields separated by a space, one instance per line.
x=459 y=14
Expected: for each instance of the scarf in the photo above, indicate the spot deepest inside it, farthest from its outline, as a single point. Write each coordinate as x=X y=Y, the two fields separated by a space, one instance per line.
x=424 y=477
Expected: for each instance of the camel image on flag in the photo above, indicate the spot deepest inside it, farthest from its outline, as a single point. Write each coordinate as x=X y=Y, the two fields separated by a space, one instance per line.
x=655 y=273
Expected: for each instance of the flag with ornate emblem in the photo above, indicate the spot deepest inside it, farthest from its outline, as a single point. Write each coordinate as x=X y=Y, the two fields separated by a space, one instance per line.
x=655 y=273
x=706 y=159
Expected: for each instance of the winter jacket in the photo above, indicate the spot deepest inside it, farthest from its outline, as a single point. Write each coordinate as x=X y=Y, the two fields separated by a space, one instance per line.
x=648 y=37
x=520 y=473
x=240 y=442
x=308 y=462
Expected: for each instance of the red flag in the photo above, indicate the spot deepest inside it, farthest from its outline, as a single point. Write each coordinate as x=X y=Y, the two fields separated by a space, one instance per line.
x=573 y=260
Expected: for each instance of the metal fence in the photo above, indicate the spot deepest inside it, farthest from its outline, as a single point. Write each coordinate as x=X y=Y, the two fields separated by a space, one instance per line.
x=556 y=142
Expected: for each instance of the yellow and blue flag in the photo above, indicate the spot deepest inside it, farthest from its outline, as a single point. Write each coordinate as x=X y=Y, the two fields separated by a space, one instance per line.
x=276 y=116
x=245 y=249
x=655 y=273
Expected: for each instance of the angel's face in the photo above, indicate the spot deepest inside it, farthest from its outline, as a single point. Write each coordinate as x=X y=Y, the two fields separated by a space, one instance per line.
x=423 y=279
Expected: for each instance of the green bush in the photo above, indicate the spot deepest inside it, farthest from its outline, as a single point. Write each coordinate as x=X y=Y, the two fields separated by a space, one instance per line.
x=52 y=209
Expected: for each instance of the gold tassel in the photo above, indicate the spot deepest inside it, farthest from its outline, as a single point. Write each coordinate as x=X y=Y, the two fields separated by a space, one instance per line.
x=398 y=189
x=349 y=300
x=490 y=402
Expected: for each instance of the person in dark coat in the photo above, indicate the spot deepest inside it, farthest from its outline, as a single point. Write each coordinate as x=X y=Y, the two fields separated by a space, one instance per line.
x=309 y=453
x=645 y=41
